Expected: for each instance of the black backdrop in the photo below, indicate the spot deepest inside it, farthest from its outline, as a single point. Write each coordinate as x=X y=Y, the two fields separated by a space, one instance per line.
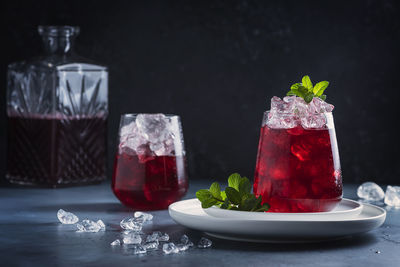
x=217 y=64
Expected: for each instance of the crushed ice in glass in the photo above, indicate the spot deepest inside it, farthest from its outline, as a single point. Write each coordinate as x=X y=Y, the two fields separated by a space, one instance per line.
x=392 y=196
x=145 y=217
x=139 y=249
x=169 y=248
x=131 y=224
x=204 y=243
x=88 y=226
x=132 y=238
x=116 y=242
x=149 y=134
x=292 y=111
x=370 y=191
x=67 y=217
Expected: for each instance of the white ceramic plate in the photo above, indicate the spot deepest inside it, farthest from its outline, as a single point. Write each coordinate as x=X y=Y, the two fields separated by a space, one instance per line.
x=345 y=210
x=190 y=214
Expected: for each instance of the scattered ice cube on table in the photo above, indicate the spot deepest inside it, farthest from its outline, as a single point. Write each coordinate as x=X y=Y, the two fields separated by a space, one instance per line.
x=88 y=226
x=153 y=237
x=139 y=249
x=102 y=225
x=185 y=241
x=116 y=242
x=204 y=243
x=67 y=217
x=164 y=237
x=133 y=238
x=392 y=196
x=370 y=191
x=169 y=248
x=182 y=247
x=151 y=245
x=131 y=224
x=145 y=217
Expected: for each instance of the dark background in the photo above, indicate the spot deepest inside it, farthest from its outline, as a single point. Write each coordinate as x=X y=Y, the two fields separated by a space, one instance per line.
x=218 y=63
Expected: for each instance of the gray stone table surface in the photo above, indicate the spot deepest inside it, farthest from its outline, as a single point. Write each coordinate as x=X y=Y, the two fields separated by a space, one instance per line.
x=31 y=235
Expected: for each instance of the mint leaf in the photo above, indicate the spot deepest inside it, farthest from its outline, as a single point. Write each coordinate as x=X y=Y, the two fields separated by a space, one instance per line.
x=306 y=82
x=308 y=97
x=234 y=180
x=320 y=87
x=244 y=186
x=295 y=86
x=248 y=202
x=207 y=203
x=225 y=205
x=233 y=195
x=223 y=195
x=203 y=194
x=306 y=90
x=215 y=190
x=237 y=196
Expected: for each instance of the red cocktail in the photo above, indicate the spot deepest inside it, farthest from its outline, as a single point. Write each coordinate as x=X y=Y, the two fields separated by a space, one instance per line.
x=149 y=168
x=298 y=167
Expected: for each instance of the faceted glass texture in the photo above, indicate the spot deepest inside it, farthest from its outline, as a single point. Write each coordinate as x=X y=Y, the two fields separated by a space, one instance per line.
x=57 y=107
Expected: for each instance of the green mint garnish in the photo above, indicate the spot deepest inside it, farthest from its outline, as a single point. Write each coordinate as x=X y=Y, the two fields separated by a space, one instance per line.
x=307 y=91
x=237 y=196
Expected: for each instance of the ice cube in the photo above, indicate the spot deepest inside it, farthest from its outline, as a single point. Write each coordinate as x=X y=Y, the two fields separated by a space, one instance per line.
x=204 y=243
x=88 y=226
x=153 y=126
x=116 y=242
x=370 y=191
x=169 y=248
x=102 y=225
x=67 y=217
x=151 y=245
x=293 y=111
x=182 y=247
x=132 y=238
x=153 y=237
x=184 y=239
x=131 y=224
x=392 y=196
x=164 y=237
x=139 y=249
x=145 y=217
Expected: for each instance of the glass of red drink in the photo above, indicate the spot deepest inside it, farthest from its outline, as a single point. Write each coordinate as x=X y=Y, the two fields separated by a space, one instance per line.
x=298 y=168
x=150 y=166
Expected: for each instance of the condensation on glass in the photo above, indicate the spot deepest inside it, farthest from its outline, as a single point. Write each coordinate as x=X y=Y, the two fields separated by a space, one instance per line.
x=57 y=107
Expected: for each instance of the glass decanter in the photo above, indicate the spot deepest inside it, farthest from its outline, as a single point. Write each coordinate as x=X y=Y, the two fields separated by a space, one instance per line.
x=57 y=108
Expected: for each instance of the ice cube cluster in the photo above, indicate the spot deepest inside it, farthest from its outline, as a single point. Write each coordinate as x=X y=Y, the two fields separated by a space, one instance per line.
x=132 y=237
x=151 y=134
x=371 y=192
x=292 y=111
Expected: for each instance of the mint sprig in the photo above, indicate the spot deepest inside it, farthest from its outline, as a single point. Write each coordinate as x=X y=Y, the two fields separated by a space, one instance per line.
x=307 y=91
x=237 y=196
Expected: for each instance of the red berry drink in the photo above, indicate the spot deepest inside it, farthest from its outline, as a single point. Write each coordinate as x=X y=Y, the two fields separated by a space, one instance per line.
x=149 y=183
x=298 y=167
x=56 y=151
x=150 y=166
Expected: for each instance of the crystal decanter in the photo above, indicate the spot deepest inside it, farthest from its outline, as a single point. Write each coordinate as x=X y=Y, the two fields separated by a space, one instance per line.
x=57 y=108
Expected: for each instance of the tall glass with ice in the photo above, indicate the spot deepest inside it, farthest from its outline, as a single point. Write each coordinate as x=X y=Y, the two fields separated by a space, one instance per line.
x=298 y=167
x=150 y=168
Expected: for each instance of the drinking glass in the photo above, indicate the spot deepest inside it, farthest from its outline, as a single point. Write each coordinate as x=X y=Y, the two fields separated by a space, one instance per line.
x=298 y=169
x=150 y=165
